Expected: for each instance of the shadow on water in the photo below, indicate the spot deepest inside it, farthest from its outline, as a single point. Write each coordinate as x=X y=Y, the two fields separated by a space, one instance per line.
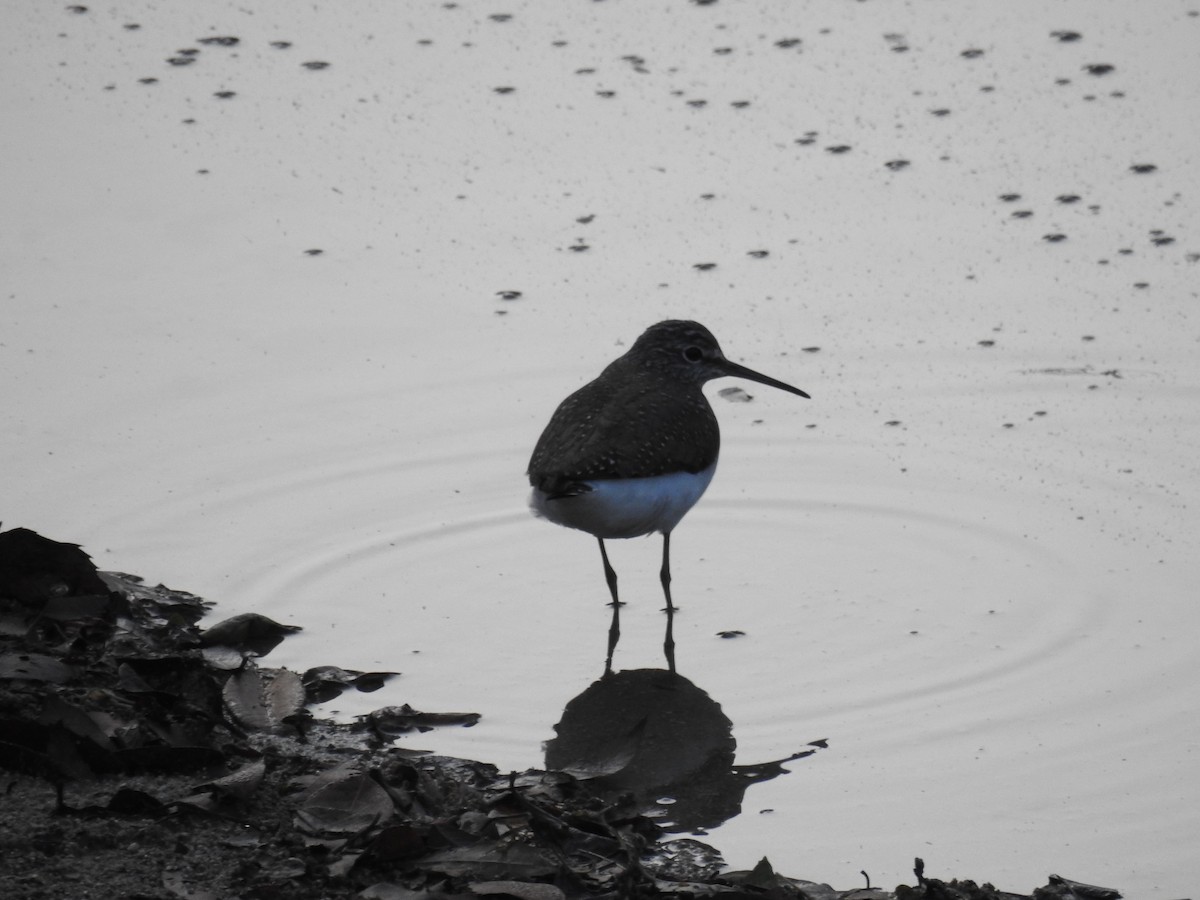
x=652 y=737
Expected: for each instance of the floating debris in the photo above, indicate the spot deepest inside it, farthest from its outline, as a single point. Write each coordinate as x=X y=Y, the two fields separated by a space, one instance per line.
x=324 y=683
x=735 y=395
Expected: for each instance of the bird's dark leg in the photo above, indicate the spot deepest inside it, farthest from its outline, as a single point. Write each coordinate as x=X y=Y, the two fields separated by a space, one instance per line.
x=614 y=630
x=665 y=576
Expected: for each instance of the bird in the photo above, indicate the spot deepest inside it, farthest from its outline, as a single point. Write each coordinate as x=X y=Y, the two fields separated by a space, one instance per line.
x=629 y=453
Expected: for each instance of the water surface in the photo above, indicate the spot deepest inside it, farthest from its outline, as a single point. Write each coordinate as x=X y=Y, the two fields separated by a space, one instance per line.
x=969 y=562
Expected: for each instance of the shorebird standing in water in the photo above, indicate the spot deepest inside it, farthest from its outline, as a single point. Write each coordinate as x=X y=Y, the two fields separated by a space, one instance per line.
x=631 y=452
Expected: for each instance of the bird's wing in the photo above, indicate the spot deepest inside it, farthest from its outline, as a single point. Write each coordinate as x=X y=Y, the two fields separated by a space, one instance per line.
x=607 y=431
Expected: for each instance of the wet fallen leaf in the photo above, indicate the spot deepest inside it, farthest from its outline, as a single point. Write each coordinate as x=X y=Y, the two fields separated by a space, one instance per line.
x=80 y=722
x=227 y=658
x=248 y=632
x=390 y=722
x=490 y=860
x=684 y=859
x=241 y=784
x=343 y=801
x=1077 y=889
x=263 y=699
x=323 y=683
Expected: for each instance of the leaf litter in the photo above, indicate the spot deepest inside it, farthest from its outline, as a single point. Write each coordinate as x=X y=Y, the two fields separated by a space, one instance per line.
x=147 y=757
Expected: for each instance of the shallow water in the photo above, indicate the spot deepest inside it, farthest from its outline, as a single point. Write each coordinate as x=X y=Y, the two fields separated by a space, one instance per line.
x=969 y=561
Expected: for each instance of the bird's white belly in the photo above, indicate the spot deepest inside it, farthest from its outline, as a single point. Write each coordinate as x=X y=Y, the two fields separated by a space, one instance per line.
x=627 y=507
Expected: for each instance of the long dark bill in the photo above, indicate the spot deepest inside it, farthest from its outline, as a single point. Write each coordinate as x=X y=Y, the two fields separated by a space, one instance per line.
x=732 y=368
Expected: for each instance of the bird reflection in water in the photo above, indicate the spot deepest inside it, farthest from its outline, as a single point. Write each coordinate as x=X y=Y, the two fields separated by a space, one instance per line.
x=651 y=739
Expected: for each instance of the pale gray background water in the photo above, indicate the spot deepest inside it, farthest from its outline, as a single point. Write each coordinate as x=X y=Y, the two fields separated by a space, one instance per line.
x=972 y=568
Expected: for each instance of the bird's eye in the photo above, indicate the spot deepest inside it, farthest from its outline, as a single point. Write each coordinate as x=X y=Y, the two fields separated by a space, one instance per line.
x=693 y=354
